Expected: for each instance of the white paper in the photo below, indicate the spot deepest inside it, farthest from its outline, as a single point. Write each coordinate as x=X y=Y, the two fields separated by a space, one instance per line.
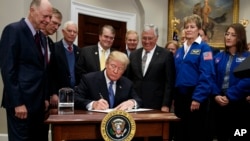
x=132 y=110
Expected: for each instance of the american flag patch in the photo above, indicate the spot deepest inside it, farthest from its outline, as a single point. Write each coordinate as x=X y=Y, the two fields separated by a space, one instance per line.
x=207 y=55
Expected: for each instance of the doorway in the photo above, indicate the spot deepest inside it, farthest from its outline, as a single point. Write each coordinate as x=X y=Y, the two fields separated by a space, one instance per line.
x=89 y=27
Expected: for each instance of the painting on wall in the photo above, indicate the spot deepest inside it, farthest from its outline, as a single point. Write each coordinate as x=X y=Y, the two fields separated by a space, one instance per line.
x=216 y=16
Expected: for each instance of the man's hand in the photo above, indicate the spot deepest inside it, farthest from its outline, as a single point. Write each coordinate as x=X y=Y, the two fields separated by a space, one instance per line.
x=21 y=112
x=248 y=99
x=126 y=105
x=54 y=100
x=46 y=102
x=101 y=104
x=165 y=109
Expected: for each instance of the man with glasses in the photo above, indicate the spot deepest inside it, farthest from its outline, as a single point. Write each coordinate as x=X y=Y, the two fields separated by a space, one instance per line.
x=96 y=89
x=92 y=58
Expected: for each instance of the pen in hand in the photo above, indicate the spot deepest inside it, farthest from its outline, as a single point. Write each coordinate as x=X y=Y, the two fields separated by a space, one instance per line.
x=101 y=96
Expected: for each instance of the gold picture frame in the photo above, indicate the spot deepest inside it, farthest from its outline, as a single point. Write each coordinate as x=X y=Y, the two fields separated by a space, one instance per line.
x=223 y=13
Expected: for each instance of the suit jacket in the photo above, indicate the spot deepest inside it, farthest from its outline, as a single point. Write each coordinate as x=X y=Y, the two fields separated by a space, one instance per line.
x=156 y=87
x=23 y=69
x=93 y=85
x=88 y=60
x=59 y=68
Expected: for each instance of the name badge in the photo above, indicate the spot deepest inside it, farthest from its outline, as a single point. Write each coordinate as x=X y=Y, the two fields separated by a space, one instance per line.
x=195 y=51
x=240 y=59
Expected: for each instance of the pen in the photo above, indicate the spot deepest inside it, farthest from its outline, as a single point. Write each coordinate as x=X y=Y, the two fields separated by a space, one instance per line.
x=101 y=96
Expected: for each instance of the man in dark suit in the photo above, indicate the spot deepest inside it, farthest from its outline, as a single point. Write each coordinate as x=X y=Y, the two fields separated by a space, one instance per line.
x=24 y=73
x=131 y=41
x=93 y=92
x=50 y=29
x=63 y=60
x=92 y=58
x=155 y=82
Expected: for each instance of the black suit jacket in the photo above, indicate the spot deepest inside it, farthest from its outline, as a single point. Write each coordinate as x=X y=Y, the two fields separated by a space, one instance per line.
x=88 y=60
x=23 y=69
x=59 y=70
x=93 y=85
x=156 y=87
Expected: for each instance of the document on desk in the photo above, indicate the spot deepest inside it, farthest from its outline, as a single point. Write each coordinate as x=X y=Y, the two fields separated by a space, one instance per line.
x=131 y=110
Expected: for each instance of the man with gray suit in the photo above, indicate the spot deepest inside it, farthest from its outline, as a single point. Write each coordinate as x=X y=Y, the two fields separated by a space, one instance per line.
x=92 y=58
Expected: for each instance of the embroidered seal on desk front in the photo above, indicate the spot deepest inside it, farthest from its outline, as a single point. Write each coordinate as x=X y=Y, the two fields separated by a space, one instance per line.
x=118 y=126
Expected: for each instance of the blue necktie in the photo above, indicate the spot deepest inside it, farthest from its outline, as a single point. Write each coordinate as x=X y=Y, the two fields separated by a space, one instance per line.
x=111 y=95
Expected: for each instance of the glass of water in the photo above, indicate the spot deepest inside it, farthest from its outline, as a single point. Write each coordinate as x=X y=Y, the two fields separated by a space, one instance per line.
x=66 y=101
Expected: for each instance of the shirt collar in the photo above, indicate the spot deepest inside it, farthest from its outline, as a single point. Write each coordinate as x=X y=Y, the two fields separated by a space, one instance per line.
x=107 y=79
x=150 y=52
x=30 y=26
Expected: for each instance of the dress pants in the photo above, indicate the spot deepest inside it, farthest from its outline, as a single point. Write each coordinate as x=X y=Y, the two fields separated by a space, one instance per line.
x=31 y=129
x=191 y=127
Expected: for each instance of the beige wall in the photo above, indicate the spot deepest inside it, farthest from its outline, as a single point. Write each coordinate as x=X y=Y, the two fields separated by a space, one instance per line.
x=147 y=11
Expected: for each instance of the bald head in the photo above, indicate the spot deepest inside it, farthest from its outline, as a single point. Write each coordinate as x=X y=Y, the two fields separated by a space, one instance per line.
x=40 y=13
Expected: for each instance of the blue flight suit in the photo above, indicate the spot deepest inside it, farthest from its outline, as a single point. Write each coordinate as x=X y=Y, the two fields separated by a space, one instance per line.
x=193 y=83
x=238 y=89
x=195 y=70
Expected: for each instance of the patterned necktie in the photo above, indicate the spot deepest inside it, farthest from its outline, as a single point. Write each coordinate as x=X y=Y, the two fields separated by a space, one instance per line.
x=111 y=95
x=102 y=60
x=143 y=62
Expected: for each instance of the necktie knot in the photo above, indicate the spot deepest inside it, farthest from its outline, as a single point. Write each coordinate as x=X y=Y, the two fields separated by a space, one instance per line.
x=70 y=48
x=111 y=82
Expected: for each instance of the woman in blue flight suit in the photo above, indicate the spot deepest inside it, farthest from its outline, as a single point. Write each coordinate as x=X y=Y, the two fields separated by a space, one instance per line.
x=194 y=71
x=230 y=92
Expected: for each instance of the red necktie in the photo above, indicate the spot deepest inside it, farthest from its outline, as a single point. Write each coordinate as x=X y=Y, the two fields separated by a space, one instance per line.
x=70 y=48
x=38 y=44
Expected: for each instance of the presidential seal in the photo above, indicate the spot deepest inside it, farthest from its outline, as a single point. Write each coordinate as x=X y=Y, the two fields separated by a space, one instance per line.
x=118 y=126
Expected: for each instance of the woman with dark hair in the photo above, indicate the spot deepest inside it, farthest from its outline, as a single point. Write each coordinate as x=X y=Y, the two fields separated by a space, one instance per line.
x=230 y=92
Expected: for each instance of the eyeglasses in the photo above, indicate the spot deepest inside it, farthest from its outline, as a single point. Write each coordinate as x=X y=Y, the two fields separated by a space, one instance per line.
x=114 y=67
x=227 y=34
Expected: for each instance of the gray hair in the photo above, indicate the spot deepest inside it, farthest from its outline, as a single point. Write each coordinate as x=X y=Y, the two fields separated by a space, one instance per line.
x=193 y=18
x=148 y=27
x=66 y=24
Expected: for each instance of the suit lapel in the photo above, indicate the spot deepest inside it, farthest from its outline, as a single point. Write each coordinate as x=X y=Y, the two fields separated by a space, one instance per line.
x=76 y=52
x=27 y=33
x=118 y=90
x=61 y=53
x=96 y=57
x=101 y=85
x=139 y=60
x=153 y=60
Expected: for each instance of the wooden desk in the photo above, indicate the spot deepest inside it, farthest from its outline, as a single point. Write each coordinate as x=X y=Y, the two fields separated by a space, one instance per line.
x=86 y=125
